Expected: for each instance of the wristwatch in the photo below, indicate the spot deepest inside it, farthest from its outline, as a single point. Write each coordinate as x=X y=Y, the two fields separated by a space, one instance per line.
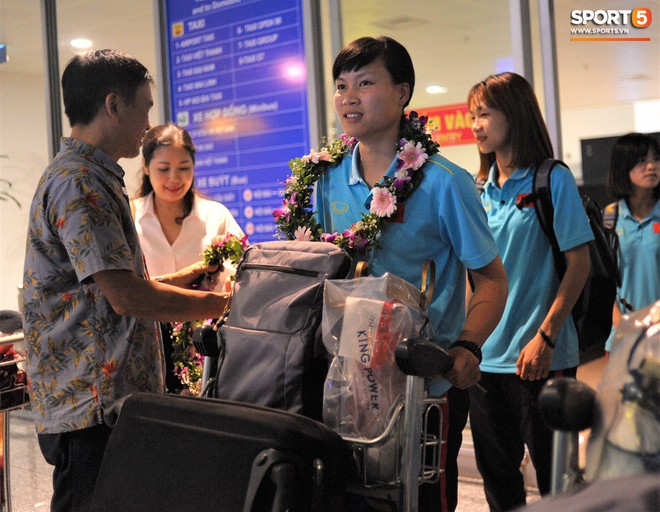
x=470 y=346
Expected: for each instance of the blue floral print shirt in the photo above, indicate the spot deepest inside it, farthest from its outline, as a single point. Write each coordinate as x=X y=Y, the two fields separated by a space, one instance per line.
x=82 y=356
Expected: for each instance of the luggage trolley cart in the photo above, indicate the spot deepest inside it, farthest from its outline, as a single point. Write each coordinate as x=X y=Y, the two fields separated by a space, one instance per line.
x=413 y=448
x=13 y=395
x=255 y=458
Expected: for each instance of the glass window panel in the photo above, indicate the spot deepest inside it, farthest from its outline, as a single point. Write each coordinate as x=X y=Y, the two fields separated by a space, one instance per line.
x=23 y=134
x=606 y=88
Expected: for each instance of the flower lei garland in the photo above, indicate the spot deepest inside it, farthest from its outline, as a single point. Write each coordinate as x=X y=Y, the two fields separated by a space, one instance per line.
x=295 y=220
x=229 y=247
x=188 y=364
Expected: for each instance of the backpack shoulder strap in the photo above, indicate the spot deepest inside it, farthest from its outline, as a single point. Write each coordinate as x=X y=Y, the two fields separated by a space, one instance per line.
x=545 y=210
x=611 y=215
x=480 y=183
x=610 y=218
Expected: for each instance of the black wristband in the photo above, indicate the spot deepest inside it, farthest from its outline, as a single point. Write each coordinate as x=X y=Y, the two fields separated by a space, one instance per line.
x=470 y=346
x=546 y=338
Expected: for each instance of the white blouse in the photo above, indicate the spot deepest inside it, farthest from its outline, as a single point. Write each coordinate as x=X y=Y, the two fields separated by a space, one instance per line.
x=206 y=220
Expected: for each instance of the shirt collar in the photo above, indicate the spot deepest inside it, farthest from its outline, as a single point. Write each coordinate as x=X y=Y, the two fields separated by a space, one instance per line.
x=93 y=154
x=624 y=211
x=355 y=176
x=518 y=174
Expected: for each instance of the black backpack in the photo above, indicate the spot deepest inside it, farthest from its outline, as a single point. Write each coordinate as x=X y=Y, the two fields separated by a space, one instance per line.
x=592 y=312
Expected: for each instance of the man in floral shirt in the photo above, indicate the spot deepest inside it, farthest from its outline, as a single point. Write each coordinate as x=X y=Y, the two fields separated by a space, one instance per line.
x=89 y=307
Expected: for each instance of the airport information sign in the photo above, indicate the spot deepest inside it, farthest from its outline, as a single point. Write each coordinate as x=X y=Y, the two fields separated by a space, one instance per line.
x=237 y=82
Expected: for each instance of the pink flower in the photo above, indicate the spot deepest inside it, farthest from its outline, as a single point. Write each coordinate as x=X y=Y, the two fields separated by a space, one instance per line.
x=358 y=242
x=317 y=156
x=283 y=212
x=303 y=234
x=320 y=156
x=383 y=203
x=413 y=156
x=349 y=141
x=330 y=238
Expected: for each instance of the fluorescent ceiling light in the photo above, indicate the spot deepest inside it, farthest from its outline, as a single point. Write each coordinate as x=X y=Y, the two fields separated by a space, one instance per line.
x=81 y=44
x=436 y=89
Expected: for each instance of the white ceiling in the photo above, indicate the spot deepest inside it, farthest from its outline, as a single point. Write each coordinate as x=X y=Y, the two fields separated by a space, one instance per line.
x=454 y=43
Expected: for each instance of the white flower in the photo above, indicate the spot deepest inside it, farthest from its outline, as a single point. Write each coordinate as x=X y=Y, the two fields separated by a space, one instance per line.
x=303 y=234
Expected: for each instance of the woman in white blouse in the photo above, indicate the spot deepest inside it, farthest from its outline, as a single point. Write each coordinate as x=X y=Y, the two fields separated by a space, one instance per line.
x=174 y=223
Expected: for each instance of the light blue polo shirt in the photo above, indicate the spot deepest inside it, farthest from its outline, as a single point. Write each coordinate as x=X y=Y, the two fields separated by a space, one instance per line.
x=527 y=257
x=443 y=221
x=639 y=258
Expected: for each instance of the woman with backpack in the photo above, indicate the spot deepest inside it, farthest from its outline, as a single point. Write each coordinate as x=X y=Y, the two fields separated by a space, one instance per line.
x=634 y=181
x=536 y=338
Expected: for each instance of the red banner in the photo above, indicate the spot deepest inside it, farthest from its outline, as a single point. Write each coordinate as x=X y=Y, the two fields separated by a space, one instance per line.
x=450 y=125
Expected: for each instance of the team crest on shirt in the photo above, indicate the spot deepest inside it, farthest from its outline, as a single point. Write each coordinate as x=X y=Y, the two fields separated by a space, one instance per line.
x=338 y=208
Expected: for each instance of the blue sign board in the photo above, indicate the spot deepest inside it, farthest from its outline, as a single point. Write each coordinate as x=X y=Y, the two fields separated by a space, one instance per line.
x=237 y=81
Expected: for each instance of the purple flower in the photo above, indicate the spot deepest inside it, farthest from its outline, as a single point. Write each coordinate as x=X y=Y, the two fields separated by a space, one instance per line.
x=330 y=238
x=283 y=212
x=348 y=141
x=399 y=183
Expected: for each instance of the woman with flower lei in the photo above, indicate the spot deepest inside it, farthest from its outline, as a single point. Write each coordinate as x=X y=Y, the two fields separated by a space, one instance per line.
x=385 y=194
x=296 y=219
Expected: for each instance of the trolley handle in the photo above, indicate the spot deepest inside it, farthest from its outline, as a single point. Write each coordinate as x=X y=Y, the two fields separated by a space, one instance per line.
x=205 y=339
x=422 y=357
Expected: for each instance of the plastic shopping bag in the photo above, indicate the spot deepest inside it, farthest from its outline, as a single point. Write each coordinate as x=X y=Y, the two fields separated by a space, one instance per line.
x=363 y=322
